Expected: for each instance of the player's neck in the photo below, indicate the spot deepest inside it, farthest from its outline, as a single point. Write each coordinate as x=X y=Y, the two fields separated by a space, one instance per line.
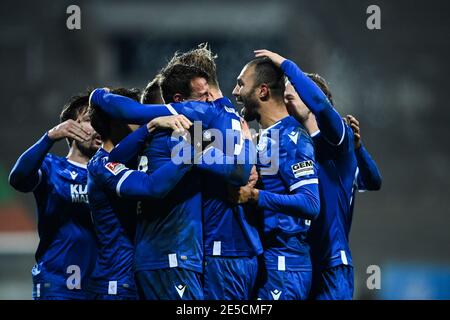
x=76 y=155
x=271 y=113
x=108 y=145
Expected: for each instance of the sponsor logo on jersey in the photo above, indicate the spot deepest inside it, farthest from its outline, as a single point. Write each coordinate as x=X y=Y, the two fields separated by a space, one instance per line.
x=304 y=168
x=78 y=193
x=115 y=167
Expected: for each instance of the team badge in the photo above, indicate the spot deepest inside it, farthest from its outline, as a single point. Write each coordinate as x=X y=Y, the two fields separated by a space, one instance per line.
x=115 y=167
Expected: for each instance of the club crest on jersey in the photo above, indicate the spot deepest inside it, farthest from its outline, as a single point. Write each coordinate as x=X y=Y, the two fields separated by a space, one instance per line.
x=303 y=168
x=115 y=167
x=78 y=193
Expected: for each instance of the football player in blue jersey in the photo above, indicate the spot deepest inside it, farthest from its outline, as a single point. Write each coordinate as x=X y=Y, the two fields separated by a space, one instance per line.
x=66 y=253
x=171 y=267
x=113 y=189
x=310 y=101
x=231 y=239
x=288 y=196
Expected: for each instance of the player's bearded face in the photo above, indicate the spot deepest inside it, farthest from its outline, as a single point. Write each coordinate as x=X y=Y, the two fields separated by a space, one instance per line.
x=250 y=106
x=245 y=94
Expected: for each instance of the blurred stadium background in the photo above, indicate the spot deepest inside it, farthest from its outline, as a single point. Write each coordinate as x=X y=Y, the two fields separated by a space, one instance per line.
x=393 y=80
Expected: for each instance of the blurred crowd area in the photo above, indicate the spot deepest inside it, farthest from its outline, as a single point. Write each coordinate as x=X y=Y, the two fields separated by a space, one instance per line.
x=394 y=80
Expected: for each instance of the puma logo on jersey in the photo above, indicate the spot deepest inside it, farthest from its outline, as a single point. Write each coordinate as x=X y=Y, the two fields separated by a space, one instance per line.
x=180 y=289
x=275 y=294
x=73 y=174
x=79 y=194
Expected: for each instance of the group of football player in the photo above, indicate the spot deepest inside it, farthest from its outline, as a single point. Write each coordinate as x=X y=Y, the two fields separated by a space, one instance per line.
x=142 y=209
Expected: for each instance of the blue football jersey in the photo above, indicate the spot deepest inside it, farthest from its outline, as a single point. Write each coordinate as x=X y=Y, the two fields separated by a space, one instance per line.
x=329 y=234
x=221 y=218
x=115 y=223
x=67 y=252
x=286 y=162
x=169 y=231
x=229 y=230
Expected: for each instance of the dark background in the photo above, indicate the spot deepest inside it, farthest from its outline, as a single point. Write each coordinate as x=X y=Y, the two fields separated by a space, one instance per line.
x=394 y=80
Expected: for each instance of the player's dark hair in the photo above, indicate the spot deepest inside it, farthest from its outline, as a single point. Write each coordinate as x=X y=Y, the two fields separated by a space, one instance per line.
x=76 y=106
x=177 y=79
x=266 y=72
x=152 y=93
x=202 y=58
x=322 y=84
x=104 y=125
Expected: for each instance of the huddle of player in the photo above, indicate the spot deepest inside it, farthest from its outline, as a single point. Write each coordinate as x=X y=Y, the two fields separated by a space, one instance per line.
x=119 y=218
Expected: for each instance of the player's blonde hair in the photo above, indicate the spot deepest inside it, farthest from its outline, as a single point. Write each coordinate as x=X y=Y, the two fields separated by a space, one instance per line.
x=202 y=57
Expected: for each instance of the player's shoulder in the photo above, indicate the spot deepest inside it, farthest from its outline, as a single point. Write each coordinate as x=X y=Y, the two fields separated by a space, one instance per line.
x=294 y=134
x=98 y=161
x=225 y=105
x=51 y=158
x=54 y=163
x=100 y=166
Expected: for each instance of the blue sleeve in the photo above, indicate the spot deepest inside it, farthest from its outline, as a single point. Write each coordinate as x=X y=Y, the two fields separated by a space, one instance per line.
x=128 y=149
x=298 y=171
x=124 y=108
x=369 y=177
x=304 y=203
x=234 y=169
x=328 y=119
x=133 y=184
x=25 y=176
x=131 y=111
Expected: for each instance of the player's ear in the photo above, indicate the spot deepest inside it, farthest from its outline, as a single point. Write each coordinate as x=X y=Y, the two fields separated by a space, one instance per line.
x=264 y=92
x=177 y=97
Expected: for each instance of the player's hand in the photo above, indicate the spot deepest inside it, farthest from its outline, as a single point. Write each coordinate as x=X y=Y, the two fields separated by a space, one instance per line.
x=178 y=123
x=245 y=130
x=69 y=129
x=253 y=177
x=240 y=195
x=275 y=57
x=354 y=124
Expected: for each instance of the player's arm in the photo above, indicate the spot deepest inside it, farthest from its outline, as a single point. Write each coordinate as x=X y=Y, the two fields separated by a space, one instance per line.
x=128 y=149
x=133 y=184
x=124 y=108
x=233 y=169
x=369 y=177
x=328 y=119
x=26 y=173
x=299 y=173
x=302 y=202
